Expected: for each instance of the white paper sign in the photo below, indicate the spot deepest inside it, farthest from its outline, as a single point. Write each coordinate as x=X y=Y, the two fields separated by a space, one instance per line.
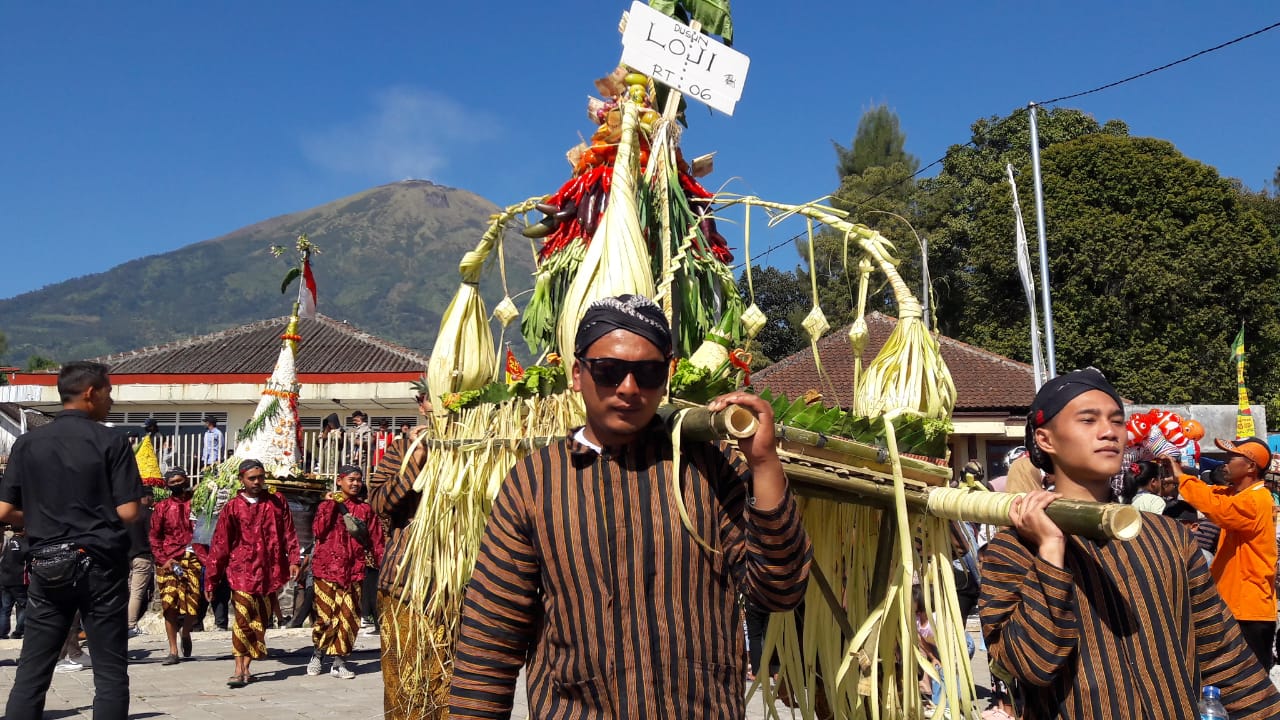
x=675 y=55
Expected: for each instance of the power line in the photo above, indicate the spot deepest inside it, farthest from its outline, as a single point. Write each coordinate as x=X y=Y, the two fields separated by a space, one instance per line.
x=1100 y=88
x=1166 y=66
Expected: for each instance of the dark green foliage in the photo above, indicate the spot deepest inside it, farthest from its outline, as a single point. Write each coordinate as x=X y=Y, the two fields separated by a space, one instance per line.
x=785 y=300
x=915 y=435
x=1155 y=261
x=36 y=363
x=879 y=142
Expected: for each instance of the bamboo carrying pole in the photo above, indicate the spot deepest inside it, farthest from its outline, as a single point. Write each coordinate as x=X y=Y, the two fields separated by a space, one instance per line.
x=700 y=424
x=1099 y=521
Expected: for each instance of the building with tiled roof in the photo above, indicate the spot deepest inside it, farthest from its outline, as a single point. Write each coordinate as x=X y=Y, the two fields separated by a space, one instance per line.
x=992 y=391
x=220 y=376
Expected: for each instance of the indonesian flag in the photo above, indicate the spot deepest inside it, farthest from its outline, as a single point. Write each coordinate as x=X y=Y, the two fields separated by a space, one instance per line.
x=307 y=292
x=515 y=372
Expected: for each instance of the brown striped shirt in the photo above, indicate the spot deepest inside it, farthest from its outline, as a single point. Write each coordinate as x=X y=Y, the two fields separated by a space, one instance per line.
x=587 y=575
x=393 y=498
x=1127 y=630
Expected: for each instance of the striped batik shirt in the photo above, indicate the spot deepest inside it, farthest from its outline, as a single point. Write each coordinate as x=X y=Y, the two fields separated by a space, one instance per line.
x=392 y=497
x=587 y=576
x=1126 y=630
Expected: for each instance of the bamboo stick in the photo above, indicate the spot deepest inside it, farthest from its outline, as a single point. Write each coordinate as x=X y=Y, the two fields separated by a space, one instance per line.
x=1099 y=521
x=700 y=424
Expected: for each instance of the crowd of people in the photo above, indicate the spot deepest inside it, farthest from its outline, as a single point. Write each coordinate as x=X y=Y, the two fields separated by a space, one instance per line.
x=590 y=609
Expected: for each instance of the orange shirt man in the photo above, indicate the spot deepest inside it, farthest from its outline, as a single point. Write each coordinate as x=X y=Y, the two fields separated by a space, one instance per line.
x=1244 y=567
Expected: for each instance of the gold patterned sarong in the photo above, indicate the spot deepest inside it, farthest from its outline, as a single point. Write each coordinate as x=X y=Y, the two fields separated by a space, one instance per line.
x=249 y=631
x=180 y=594
x=334 y=631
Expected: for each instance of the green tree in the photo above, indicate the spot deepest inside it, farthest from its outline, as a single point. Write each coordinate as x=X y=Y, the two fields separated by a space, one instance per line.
x=37 y=363
x=785 y=299
x=1155 y=261
x=878 y=189
x=951 y=205
x=878 y=142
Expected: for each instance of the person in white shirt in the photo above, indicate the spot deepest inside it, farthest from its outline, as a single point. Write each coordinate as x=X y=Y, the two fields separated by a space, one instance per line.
x=211 y=452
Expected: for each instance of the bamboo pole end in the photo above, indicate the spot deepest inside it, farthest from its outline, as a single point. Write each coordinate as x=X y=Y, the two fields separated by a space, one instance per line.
x=1123 y=522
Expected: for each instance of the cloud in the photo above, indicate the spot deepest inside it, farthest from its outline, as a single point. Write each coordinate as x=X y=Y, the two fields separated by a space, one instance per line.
x=408 y=133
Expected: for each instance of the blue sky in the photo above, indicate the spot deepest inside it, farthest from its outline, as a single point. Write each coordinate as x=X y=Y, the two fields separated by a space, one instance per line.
x=131 y=129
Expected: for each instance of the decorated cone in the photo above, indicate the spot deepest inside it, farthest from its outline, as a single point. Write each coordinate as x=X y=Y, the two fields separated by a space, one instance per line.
x=148 y=464
x=274 y=436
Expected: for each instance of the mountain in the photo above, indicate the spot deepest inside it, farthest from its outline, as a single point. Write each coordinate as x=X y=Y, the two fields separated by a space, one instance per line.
x=388 y=264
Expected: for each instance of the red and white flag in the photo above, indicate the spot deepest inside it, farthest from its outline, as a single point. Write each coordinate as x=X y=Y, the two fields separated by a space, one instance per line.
x=307 y=292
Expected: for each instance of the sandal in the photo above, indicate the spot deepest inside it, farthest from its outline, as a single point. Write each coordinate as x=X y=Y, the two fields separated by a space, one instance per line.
x=170 y=660
x=236 y=681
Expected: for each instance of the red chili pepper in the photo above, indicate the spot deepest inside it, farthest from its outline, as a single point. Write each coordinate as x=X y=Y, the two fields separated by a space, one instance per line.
x=692 y=187
x=742 y=360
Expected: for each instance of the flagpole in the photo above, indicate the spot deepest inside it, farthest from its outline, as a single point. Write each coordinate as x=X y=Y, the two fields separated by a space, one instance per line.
x=1028 y=280
x=1051 y=363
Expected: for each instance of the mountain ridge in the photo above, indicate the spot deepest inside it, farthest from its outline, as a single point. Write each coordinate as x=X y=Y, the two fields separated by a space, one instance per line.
x=379 y=266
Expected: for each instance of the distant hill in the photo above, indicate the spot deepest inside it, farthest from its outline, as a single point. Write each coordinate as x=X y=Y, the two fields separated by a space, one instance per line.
x=388 y=264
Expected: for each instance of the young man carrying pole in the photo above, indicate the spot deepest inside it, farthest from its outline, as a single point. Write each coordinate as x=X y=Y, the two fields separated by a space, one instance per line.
x=586 y=571
x=1106 y=629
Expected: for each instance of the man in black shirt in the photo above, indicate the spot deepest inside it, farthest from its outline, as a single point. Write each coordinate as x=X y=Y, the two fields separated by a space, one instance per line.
x=75 y=485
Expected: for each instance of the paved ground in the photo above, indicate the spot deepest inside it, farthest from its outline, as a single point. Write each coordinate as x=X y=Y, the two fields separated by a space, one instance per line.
x=197 y=688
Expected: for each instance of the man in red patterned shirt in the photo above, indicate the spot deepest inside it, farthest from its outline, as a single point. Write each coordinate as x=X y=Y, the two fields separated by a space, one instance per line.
x=177 y=567
x=348 y=540
x=256 y=548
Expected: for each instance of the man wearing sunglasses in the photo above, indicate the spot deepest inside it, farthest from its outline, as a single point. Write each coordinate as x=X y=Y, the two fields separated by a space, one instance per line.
x=588 y=570
x=1244 y=567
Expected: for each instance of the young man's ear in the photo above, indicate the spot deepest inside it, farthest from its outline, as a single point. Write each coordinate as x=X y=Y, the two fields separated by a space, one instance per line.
x=1043 y=438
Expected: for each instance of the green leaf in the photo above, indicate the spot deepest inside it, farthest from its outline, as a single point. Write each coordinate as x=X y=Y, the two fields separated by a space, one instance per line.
x=288 y=278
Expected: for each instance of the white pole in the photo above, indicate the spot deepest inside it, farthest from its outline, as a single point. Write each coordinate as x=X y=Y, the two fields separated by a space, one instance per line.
x=1028 y=280
x=1051 y=366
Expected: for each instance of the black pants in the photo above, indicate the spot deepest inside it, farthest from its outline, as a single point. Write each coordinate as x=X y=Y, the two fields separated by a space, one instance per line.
x=101 y=595
x=13 y=598
x=369 y=596
x=1259 y=635
x=220 y=604
x=304 y=606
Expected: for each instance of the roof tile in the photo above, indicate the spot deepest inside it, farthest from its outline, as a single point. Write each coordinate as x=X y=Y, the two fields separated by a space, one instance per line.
x=328 y=346
x=984 y=380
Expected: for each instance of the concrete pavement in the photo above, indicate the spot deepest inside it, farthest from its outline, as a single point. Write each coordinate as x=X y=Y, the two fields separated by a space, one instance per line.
x=197 y=688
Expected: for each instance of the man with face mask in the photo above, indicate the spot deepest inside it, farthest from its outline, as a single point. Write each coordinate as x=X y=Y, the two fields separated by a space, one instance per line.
x=348 y=540
x=177 y=567
x=587 y=572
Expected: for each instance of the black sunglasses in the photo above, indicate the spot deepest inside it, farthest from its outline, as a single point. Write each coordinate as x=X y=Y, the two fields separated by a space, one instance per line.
x=611 y=372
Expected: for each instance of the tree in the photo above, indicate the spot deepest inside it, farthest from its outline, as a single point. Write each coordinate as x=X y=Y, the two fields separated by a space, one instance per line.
x=877 y=189
x=971 y=180
x=785 y=300
x=4 y=345
x=1155 y=262
x=36 y=363
x=878 y=142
